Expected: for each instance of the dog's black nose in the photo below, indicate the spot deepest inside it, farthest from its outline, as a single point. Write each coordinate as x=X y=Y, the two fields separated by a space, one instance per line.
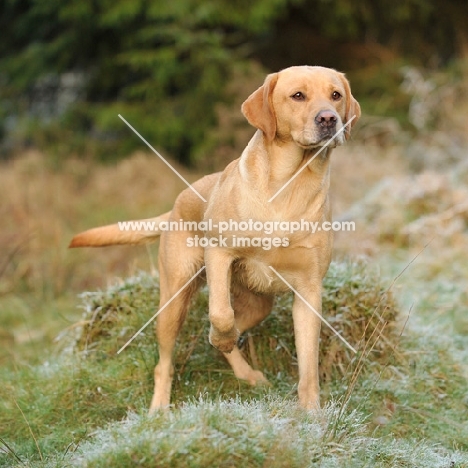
x=326 y=118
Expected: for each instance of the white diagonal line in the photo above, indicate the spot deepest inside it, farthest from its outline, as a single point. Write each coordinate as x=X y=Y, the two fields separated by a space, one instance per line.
x=314 y=311
x=164 y=160
x=311 y=159
x=161 y=309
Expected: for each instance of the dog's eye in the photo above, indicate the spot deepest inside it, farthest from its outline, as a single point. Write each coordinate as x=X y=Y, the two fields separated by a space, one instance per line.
x=336 y=96
x=298 y=96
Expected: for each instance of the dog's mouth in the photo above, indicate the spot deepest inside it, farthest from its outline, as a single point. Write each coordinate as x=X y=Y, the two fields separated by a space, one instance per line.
x=322 y=142
x=330 y=139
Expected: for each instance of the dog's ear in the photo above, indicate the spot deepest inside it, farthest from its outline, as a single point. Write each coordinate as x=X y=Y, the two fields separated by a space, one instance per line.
x=258 y=108
x=352 y=108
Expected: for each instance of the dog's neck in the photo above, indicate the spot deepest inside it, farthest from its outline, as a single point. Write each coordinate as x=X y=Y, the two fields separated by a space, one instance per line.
x=287 y=158
x=270 y=165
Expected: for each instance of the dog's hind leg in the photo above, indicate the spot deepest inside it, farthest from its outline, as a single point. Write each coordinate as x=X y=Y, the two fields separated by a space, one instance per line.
x=169 y=323
x=249 y=309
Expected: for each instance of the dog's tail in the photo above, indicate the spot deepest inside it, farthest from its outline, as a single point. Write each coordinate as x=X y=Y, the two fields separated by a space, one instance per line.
x=142 y=231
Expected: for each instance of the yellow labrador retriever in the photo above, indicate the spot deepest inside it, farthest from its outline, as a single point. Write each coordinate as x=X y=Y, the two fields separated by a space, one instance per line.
x=296 y=112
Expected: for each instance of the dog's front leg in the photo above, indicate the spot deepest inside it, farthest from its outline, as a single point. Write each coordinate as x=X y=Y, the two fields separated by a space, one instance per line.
x=223 y=332
x=307 y=333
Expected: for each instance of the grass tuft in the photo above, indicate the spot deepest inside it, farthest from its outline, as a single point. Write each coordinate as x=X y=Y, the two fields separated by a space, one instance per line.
x=271 y=432
x=355 y=303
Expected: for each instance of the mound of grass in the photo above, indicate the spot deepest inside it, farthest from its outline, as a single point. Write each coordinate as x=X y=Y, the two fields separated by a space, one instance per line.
x=355 y=303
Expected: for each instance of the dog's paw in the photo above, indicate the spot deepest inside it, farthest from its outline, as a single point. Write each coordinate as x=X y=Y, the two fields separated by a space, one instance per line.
x=309 y=403
x=225 y=342
x=159 y=403
x=256 y=378
x=153 y=411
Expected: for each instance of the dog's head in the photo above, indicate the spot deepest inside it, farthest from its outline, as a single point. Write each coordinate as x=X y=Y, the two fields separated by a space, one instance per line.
x=308 y=105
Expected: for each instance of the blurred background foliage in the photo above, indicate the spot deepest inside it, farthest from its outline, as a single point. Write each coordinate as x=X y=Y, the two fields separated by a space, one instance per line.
x=67 y=68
